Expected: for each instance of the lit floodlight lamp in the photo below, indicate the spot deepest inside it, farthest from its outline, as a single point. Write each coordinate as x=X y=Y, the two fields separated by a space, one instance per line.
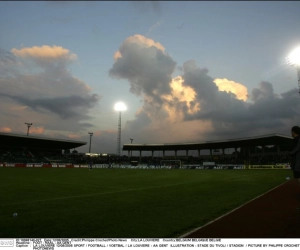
x=120 y=106
x=294 y=60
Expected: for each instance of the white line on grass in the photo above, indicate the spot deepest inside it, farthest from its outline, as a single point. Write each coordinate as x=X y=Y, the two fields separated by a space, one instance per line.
x=76 y=184
x=113 y=192
x=198 y=228
x=96 y=194
x=69 y=183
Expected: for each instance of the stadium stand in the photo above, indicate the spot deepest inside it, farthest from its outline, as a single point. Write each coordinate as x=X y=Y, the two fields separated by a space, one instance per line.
x=269 y=149
x=29 y=149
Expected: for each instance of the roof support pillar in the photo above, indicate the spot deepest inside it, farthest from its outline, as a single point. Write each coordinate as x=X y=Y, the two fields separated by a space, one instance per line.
x=140 y=156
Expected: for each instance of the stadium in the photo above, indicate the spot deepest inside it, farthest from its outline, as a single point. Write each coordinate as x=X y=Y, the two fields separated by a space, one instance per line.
x=51 y=193
x=264 y=150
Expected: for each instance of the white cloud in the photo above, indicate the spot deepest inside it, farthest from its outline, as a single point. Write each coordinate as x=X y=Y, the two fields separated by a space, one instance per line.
x=45 y=53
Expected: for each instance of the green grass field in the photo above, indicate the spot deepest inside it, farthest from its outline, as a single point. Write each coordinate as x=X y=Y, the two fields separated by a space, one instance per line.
x=122 y=203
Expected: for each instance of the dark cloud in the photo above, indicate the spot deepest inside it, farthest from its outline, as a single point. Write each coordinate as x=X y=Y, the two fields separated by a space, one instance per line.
x=65 y=107
x=147 y=68
x=7 y=57
x=265 y=91
x=8 y=63
x=230 y=117
x=40 y=87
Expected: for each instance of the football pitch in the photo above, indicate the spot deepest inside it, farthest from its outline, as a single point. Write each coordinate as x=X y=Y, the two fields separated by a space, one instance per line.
x=122 y=203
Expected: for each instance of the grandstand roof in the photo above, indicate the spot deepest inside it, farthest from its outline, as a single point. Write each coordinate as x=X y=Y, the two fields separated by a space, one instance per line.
x=265 y=140
x=14 y=140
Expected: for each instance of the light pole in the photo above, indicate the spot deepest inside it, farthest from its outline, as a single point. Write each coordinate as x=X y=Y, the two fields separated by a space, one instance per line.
x=91 y=134
x=119 y=106
x=294 y=60
x=28 y=126
x=131 y=140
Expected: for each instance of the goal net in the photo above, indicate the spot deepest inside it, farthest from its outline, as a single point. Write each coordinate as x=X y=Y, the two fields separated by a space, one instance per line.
x=170 y=163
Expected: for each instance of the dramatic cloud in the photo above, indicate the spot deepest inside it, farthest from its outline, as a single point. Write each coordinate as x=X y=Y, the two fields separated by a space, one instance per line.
x=40 y=88
x=265 y=91
x=146 y=66
x=194 y=106
x=181 y=99
x=65 y=107
x=141 y=41
x=238 y=89
x=231 y=117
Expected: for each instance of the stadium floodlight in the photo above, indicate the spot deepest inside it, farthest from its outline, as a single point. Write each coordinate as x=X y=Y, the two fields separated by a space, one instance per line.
x=119 y=106
x=91 y=134
x=28 y=126
x=294 y=60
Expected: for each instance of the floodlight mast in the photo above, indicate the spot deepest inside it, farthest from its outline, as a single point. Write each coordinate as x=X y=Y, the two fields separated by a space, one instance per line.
x=294 y=60
x=28 y=126
x=119 y=135
x=119 y=107
x=131 y=140
x=91 y=134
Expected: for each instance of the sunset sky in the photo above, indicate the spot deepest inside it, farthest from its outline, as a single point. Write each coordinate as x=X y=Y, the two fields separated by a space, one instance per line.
x=187 y=71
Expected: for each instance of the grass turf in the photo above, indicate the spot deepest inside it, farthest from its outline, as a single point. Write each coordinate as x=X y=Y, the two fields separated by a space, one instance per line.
x=122 y=203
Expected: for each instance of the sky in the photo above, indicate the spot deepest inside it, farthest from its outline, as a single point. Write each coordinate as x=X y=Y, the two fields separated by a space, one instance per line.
x=187 y=71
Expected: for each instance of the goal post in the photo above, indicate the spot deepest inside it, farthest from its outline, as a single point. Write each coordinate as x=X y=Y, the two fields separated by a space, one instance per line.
x=170 y=163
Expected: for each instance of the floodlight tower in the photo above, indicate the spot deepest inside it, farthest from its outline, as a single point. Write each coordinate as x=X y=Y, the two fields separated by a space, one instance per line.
x=119 y=106
x=91 y=134
x=131 y=140
x=294 y=60
x=28 y=126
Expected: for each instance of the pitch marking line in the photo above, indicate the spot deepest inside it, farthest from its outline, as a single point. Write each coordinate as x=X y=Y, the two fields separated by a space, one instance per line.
x=110 y=192
x=198 y=228
x=89 y=195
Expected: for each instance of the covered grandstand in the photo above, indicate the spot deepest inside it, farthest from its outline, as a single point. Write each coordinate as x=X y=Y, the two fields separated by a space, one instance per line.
x=280 y=142
x=30 y=149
